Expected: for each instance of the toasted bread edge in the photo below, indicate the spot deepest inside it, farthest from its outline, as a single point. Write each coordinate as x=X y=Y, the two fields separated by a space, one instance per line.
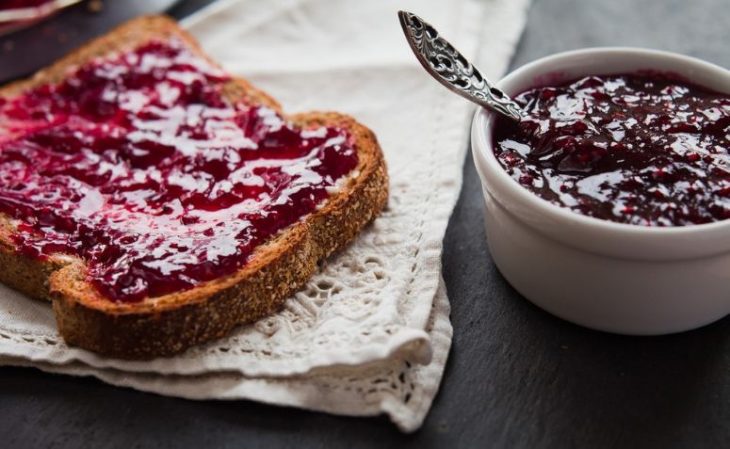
x=170 y=324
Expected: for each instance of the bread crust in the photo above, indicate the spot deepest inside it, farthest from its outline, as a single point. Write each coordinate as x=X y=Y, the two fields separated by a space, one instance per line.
x=170 y=324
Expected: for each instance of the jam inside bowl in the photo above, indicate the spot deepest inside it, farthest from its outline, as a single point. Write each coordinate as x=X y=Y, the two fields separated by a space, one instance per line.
x=648 y=149
x=588 y=233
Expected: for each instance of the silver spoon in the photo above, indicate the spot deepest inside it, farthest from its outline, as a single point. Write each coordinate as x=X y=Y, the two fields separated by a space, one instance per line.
x=450 y=68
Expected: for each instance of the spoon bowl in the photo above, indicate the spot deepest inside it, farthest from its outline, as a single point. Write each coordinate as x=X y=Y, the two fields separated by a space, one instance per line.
x=615 y=277
x=449 y=67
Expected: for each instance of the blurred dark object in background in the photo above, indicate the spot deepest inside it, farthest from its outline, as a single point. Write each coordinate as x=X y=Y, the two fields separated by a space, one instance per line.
x=18 y=14
x=26 y=49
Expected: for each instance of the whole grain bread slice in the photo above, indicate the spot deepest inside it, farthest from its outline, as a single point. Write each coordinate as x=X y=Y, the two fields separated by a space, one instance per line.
x=170 y=324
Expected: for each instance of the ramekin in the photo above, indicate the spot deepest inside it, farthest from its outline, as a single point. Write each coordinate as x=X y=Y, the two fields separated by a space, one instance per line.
x=608 y=276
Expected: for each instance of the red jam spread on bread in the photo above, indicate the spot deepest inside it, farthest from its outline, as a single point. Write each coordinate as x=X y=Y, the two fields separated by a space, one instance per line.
x=137 y=164
x=644 y=149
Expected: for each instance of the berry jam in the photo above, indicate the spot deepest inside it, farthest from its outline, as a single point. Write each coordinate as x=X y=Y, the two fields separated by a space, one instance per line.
x=639 y=149
x=138 y=165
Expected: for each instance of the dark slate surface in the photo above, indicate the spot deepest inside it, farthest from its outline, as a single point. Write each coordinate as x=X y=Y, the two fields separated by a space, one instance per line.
x=516 y=378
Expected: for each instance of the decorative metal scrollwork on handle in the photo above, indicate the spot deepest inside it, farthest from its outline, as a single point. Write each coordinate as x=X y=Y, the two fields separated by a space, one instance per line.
x=452 y=69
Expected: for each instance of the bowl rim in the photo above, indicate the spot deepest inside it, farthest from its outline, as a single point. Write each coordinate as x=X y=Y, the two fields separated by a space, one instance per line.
x=483 y=123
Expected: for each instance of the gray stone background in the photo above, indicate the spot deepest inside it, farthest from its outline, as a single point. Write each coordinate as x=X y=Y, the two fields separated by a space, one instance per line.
x=516 y=378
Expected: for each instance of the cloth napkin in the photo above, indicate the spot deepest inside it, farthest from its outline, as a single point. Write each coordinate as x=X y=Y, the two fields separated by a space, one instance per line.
x=370 y=333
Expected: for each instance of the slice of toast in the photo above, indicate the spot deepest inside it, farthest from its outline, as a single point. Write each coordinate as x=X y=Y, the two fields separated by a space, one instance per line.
x=171 y=323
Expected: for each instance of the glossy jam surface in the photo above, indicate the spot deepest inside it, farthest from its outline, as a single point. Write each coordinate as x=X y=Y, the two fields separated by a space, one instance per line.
x=644 y=149
x=138 y=165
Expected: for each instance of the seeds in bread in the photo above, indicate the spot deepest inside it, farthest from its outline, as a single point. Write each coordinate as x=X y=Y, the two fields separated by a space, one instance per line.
x=171 y=323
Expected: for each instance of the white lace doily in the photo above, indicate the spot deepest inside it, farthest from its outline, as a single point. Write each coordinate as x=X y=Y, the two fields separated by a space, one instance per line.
x=357 y=339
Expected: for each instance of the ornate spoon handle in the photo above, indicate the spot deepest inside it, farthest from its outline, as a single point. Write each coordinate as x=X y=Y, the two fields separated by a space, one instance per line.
x=449 y=67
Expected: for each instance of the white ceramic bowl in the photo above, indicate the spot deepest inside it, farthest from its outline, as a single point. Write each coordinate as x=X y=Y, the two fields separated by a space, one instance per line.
x=608 y=276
